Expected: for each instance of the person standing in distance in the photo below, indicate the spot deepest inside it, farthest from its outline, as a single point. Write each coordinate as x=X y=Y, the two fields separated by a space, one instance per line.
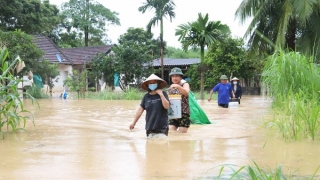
x=224 y=90
x=237 y=89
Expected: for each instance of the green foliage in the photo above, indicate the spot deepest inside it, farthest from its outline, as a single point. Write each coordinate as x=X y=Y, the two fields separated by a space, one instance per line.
x=255 y=172
x=172 y=52
x=31 y=16
x=130 y=58
x=287 y=23
x=194 y=74
x=201 y=33
x=12 y=111
x=49 y=72
x=21 y=44
x=36 y=92
x=88 y=17
x=77 y=82
x=229 y=57
x=128 y=94
x=293 y=83
x=162 y=9
x=102 y=67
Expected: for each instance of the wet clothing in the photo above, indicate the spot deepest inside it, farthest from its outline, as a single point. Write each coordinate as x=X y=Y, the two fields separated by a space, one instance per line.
x=224 y=91
x=184 y=121
x=158 y=131
x=157 y=115
x=224 y=105
x=237 y=90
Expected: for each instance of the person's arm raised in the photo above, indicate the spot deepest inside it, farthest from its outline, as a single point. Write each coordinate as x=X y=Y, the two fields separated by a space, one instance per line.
x=165 y=102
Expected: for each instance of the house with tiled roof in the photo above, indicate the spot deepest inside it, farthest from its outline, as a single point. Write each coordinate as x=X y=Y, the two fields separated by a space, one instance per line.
x=83 y=54
x=170 y=63
x=67 y=59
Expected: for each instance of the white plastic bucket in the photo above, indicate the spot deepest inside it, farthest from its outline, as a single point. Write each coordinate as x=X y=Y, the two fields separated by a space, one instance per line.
x=174 y=111
x=233 y=104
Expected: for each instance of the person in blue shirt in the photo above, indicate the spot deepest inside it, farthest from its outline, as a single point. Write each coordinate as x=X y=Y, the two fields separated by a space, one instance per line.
x=224 y=90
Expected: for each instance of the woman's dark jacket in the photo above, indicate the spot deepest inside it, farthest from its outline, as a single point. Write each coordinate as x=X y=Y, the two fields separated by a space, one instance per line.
x=238 y=92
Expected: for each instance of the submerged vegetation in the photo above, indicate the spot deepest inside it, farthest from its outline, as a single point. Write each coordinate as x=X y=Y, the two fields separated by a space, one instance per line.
x=129 y=94
x=292 y=81
x=255 y=172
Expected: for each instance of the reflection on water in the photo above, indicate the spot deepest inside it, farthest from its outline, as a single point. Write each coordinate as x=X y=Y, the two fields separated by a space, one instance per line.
x=86 y=139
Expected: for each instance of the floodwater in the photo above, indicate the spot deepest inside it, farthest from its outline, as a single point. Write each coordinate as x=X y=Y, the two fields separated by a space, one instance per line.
x=89 y=139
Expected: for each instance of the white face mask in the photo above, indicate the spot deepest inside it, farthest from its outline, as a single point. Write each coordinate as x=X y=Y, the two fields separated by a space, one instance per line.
x=235 y=82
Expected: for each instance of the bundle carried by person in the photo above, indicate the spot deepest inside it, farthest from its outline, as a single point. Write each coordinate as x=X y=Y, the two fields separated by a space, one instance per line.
x=197 y=115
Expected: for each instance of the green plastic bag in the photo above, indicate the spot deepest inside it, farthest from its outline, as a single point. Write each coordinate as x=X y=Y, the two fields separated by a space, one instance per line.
x=197 y=115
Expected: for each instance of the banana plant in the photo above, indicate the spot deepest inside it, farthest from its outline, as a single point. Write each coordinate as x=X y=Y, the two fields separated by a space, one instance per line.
x=12 y=111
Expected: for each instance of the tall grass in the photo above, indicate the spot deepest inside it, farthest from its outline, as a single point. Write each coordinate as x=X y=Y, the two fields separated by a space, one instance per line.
x=37 y=93
x=294 y=85
x=130 y=94
x=255 y=172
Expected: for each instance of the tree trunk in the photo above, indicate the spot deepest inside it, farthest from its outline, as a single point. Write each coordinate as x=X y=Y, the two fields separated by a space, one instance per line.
x=291 y=35
x=86 y=36
x=161 y=48
x=202 y=73
x=86 y=28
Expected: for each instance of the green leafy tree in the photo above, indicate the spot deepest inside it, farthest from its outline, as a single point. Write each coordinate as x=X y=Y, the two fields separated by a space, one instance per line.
x=49 y=72
x=230 y=58
x=172 y=52
x=77 y=82
x=201 y=33
x=225 y=57
x=12 y=111
x=31 y=16
x=131 y=58
x=21 y=44
x=286 y=23
x=89 y=18
x=163 y=9
x=102 y=67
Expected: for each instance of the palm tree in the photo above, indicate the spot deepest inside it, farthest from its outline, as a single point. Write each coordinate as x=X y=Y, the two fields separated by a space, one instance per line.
x=289 y=24
x=201 y=33
x=163 y=8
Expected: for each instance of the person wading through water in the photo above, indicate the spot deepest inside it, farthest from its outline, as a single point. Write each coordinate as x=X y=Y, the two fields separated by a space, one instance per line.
x=156 y=103
x=181 y=87
x=224 y=91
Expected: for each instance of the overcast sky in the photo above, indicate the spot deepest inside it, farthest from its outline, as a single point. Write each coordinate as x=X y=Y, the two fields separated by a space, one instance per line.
x=186 y=11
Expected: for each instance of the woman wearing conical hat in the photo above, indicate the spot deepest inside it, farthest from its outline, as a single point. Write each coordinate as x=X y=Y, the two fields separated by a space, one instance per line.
x=237 y=89
x=156 y=103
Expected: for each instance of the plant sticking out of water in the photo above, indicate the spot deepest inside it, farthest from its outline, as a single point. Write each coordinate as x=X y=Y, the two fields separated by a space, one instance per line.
x=257 y=173
x=12 y=111
x=129 y=94
x=294 y=86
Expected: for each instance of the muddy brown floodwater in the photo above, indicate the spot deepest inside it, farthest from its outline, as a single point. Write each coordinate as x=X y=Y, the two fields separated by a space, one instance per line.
x=89 y=139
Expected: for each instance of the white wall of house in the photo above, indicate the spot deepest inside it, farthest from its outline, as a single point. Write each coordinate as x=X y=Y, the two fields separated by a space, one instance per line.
x=64 y=72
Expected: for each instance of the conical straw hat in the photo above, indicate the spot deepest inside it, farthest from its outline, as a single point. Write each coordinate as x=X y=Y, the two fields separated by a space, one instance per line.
x=234 y=79
x=161 y=83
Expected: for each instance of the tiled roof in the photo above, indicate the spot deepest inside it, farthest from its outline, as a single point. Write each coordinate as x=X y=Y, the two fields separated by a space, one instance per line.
x=79 y=55
x=50 y=50
x=175 y=62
